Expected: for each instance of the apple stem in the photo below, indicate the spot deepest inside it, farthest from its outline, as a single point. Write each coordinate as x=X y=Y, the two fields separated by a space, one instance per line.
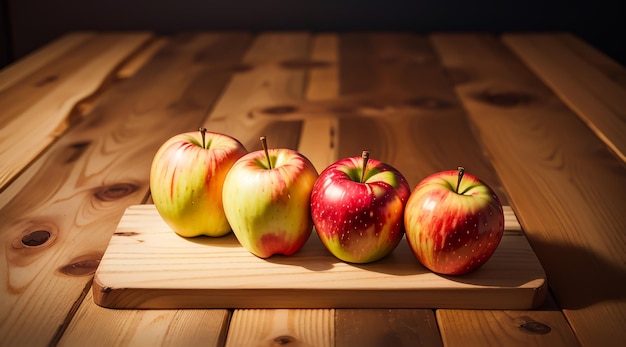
x=366 y=157
x=461 y=173
x=267 y=155
x=203 y=133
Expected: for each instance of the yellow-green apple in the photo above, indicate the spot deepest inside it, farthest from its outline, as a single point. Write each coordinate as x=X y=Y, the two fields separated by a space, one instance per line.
x=186 y=179
x=267 y=200
x=357 y=206
x=454 y=222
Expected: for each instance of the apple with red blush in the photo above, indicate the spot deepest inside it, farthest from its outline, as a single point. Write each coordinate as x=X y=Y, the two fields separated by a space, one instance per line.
x=267 y=200
x=357 y=206
x=454 y=222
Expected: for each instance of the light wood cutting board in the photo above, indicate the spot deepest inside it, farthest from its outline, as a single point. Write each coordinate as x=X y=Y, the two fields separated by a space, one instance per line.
x=147 y=265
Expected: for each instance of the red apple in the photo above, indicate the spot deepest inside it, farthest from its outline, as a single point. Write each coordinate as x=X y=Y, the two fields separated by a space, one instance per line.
x=186 y=179
x=267 y=200
x=357 y=206
x=454 y=222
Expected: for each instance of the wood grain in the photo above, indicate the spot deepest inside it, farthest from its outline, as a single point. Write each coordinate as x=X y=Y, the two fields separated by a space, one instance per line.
x=38 y=107
x=148 y=266
x=58 y=226
x=318 y=140
x=96 y=326
x=504 y=328
x=599 y=100
x=354 y=327
x=611 y=68
x=281 y=327
x=41 y=57
x=411 y=118
x=386 y=327
x=566 y=187
x=260 y=97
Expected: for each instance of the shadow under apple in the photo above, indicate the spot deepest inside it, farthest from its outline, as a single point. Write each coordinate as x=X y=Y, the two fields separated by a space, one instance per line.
x=228 y=241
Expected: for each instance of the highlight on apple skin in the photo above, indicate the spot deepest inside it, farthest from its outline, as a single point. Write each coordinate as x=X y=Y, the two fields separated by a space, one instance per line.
x=267 y=201
x=357 y=206
x=454 y=222
x=186 y=179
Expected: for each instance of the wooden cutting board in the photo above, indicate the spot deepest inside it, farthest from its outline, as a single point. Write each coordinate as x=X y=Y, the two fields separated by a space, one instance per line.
x=147 y=265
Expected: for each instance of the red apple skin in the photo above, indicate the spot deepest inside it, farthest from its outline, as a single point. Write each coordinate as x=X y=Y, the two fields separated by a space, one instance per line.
x=453 y=233
x=359 y=222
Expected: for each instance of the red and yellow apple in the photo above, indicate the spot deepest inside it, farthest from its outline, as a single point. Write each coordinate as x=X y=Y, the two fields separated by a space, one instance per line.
x=186 y=179
x=357 y=207
x=267 y=201
x=454 y=222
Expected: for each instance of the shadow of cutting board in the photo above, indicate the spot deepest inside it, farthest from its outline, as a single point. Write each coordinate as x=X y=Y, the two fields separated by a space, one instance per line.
x=147 y=265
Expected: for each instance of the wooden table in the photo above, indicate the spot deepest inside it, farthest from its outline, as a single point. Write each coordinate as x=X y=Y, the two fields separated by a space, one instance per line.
x=541 y=117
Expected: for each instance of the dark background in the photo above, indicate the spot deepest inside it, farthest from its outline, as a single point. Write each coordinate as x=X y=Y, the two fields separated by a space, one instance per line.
x=28 y=24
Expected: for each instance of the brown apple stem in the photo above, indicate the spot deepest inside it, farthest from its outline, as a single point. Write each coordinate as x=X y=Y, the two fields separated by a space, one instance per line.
x=203 y=133
x=366 y=157
x=461 y=173
x=267 y=155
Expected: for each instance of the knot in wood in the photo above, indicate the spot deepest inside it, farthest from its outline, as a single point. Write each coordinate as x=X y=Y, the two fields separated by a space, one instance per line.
x=428 y=103
x=284 y=340
x=36 y=238
x=279 y=110
x=46 y=80
x=81 y=268
x=115 y=191
x=534 y=327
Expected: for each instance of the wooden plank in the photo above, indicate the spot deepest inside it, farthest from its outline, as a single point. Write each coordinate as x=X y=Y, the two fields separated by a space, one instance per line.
x=260 y=97
x=96 y=326
x=38 y=108
x=566 y=187
x=148 y=266
x=281 y=327
x=597 y=99
x=504 y=328
x=407 y=114
x=41 y=57
x=140 y=59
x=611 y=68
x=318 y=140
x=386 y=327
x=87 y=178
x=361 y=327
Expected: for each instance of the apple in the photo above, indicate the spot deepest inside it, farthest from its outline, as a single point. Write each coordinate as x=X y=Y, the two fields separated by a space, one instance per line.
x=186 y=179
x=454 y=222
x=357 y=206
x=267 y=200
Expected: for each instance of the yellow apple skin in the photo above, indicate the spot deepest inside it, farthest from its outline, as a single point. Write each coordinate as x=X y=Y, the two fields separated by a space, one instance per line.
x=186 y=182
x=269 y=208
